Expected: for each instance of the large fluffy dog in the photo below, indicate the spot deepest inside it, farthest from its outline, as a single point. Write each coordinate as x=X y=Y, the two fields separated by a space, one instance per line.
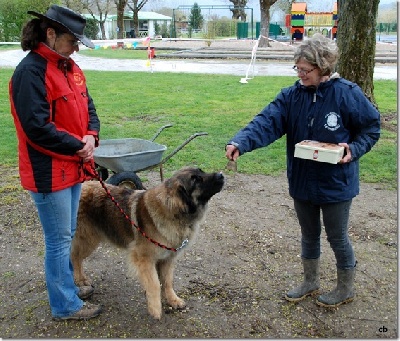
x=168 y=214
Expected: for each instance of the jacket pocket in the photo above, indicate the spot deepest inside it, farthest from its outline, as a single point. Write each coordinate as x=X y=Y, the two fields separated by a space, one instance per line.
x=60 y=100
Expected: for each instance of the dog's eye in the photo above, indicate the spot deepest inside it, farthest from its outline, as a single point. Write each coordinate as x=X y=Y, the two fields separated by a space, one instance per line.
x=196 y=178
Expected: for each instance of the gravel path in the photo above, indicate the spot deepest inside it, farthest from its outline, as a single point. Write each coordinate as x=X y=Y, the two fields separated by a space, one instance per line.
x=220 y=66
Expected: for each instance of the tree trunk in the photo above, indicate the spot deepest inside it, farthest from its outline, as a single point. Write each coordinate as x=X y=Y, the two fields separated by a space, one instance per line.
x=100 y=7
x=238 y=11
x=136 y=22
x=103 y=30
x=356 y=39
x=135 y=8
x=121 y=4
x=265 y=5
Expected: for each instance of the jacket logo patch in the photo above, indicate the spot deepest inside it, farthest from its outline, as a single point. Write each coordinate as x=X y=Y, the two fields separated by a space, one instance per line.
x=78 y=79
x=332 y=121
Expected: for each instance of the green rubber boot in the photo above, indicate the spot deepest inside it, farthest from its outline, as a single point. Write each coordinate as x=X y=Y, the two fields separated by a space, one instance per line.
x=310 y=284
x=343 y=293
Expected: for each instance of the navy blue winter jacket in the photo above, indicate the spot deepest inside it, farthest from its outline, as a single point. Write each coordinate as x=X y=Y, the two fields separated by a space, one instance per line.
x=335 y=112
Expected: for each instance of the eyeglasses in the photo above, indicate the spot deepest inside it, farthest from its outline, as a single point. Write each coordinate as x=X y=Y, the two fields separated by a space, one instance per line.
x=301 y=72
x=75 y=43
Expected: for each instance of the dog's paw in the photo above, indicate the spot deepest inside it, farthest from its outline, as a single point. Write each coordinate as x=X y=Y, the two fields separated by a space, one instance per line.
x=177 y=303
x=83 y=282
x=155 y=313
x=154 y=308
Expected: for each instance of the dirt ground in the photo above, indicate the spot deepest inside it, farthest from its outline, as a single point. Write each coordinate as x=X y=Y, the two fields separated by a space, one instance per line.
x=233 y=276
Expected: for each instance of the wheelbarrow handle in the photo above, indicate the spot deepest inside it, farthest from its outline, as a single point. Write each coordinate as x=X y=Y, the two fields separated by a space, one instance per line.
x=181 y=146
x=160 y=130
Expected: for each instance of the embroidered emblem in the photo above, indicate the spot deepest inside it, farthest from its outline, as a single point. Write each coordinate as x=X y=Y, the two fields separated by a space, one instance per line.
x=78 y=79
x=332 y=121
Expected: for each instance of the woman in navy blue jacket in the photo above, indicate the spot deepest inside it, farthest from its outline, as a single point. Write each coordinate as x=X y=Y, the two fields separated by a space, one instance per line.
x=323 y=107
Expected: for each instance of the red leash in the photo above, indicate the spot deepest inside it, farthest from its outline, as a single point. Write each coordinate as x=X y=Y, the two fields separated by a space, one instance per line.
x=97 y=176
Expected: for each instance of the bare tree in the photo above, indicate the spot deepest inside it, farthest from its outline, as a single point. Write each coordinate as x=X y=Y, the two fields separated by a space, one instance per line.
x=135 y=7
x=284 y=5
x=99 y=10
x=238 y=11
x=265 y=5
x=356 y=39
x=75 y=5
x=121 y=4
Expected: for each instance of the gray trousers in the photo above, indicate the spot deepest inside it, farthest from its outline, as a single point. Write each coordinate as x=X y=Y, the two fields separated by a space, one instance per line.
x=335 y=218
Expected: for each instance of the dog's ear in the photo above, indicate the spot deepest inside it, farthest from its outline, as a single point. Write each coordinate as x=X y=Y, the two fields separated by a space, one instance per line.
x=189 y=206
x=178 y=196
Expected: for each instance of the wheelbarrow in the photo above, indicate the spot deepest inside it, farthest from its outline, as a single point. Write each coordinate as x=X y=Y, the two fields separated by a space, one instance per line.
x=127 y=156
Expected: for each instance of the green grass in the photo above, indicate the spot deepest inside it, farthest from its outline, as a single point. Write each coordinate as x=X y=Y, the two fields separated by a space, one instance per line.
x=118 y=53
x=110 y=53
x=6 y=47
x=137 y=104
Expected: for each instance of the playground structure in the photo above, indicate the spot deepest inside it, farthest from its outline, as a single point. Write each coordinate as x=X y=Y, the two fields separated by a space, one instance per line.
x=299 y=23
x=303 y=23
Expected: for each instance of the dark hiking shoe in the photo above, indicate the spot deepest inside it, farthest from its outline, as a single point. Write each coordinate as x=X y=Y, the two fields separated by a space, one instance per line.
x=85 y=292
x=87 y=312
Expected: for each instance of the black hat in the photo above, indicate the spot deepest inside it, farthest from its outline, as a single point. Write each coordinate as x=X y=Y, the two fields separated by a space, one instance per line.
x=68 y=20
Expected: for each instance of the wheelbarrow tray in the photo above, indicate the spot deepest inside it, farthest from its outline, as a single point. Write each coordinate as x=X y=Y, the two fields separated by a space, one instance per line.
x=128 y=154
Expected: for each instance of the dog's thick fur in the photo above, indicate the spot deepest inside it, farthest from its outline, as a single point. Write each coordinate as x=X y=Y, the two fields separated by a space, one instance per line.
x=168 y=213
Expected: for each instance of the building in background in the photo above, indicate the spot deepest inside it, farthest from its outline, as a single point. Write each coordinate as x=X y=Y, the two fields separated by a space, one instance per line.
x=147 y=24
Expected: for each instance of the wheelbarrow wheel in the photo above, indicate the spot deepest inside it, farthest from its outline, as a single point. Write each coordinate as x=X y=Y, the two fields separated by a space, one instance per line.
x=126 y=179
x=103 y=172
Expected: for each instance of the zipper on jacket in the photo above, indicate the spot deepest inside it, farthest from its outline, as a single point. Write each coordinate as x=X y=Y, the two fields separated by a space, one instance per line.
x=315 y=97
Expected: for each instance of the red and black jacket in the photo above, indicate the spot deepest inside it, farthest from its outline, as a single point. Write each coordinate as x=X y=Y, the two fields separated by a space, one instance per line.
x=52 y=111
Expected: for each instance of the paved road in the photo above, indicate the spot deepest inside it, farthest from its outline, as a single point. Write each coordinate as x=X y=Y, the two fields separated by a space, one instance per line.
x=240 y=68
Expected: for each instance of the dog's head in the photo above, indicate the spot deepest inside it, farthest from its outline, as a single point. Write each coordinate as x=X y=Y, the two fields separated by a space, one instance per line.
x=194 y=187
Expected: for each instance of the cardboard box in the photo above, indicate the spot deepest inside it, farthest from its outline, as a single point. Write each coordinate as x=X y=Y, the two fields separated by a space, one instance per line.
x=319 y=151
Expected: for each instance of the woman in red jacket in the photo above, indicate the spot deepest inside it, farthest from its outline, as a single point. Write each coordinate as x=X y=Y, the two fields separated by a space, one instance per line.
x=57 y=128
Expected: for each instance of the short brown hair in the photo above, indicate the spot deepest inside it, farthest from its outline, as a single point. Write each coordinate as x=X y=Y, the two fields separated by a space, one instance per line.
x=319 y=51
